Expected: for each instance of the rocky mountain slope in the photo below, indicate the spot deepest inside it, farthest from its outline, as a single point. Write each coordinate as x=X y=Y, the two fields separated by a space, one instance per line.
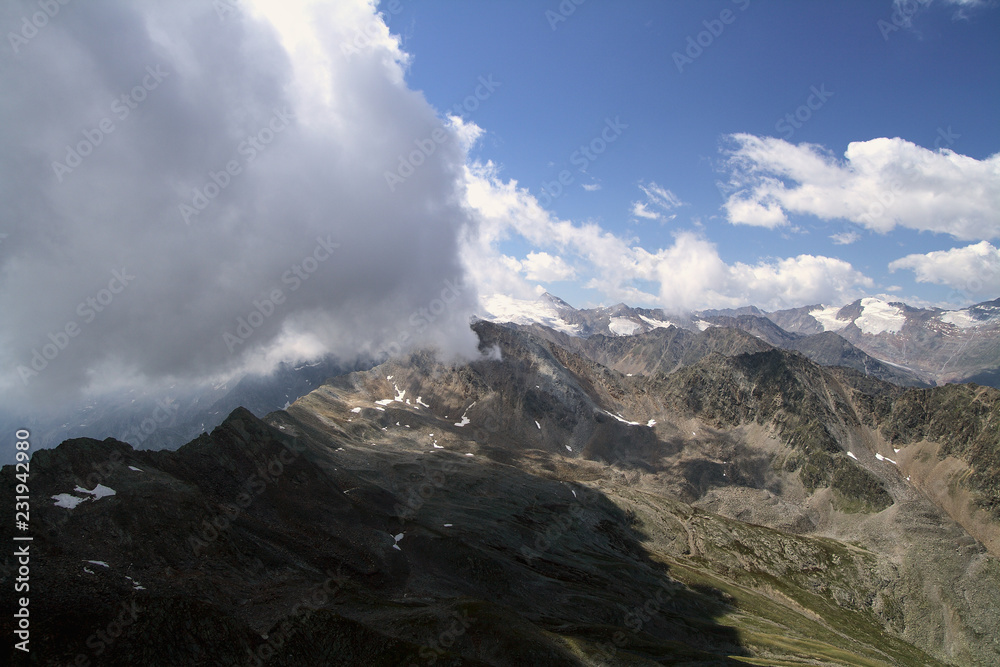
x=726 y=503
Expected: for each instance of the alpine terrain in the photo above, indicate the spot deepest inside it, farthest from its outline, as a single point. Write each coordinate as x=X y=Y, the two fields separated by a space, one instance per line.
x=606 y=487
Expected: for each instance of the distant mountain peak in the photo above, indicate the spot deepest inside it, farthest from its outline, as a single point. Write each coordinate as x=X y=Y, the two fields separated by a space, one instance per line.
x=555 y=301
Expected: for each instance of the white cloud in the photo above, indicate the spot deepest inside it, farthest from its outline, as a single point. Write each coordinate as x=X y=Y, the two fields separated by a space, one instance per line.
x=320 y=173
x=546 y=268
x=640 y=210
x=688 y=274
x=845 y=238
x=880 y=184
x=591 y=187
x=662 y=197
x=974 y=269
x=658 y=197
x=755 y=213
x=468 y=132
x=540 y=266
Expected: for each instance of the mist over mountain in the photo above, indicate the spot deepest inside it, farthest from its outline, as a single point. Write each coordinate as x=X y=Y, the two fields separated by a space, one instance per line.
x=170 y=416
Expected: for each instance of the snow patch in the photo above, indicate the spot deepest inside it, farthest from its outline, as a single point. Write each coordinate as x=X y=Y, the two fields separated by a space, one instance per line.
x=538 y=425
x=622 y=326
x=877 y=317
x=68 y=501
x=656 y=324
x=136 y=469
x=465 y=420
x=651 y=423
x=99 y=491
x=963 y=319
x=851 y=454
x=827 y=318
x=420 y=402
x=702 y=324
x=882 y=458
x=622 y=419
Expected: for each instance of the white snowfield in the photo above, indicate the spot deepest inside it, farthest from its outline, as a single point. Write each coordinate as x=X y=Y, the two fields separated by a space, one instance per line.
x=877 y=317
x=827 y=318
x=503 y=308
x=656 y=324
x=963 y=319
x=622 y=326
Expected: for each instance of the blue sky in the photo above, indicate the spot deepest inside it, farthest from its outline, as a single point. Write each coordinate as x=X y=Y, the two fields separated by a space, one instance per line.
x=928 y=73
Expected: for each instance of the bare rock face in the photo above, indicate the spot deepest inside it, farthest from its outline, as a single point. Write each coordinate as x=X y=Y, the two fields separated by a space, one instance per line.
x=570 y=503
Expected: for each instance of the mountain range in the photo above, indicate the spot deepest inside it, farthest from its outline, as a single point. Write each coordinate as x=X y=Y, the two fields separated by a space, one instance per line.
x=602 y=487
x=894 y=342
x=890 y=340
